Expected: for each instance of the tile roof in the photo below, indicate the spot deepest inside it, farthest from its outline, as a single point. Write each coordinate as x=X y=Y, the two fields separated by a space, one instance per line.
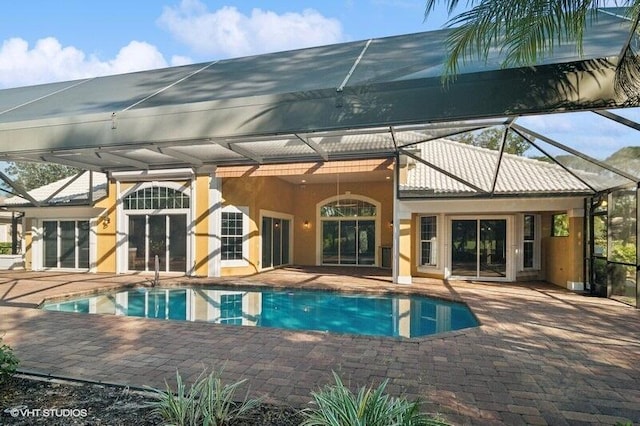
x=78 y=190
x=475 y=165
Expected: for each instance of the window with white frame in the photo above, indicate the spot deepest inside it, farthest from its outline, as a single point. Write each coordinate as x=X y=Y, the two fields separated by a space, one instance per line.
x=529 y=260
x=233 y=235
x=428 y=241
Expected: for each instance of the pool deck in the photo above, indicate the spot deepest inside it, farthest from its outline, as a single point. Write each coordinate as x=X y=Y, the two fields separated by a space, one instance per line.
x=543 y=355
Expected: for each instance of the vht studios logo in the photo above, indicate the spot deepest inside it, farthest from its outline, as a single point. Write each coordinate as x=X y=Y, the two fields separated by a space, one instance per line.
x=23 y=411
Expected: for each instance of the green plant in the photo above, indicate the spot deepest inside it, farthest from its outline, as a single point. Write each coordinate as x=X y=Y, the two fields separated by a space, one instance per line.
x=5 y=248
x=179 y=407
x=338 y=406
x=208 y=402
x=216 y=400
x=8 y=361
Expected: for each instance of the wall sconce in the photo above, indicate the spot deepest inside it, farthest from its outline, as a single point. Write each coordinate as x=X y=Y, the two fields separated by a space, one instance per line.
x=106 y=221
x=390 y=224
x=306 y=224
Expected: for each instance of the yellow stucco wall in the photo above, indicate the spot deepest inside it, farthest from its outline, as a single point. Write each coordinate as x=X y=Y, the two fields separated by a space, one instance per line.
x=256 y=193
x=406 y=249
x=106 y=232
x=28 y=244
x=202 y=213
x=562 y=256
x=306 y=198
x=300 y=201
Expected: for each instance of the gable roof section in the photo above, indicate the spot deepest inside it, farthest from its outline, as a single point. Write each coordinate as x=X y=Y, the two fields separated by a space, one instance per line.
x=76 y=191
x=211 y=113
x=517 y=175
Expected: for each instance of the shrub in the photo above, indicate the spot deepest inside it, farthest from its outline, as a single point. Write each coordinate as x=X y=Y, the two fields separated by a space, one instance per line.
x=5 y=248
x=208 y=402
x=338 y=406
x=8 y=361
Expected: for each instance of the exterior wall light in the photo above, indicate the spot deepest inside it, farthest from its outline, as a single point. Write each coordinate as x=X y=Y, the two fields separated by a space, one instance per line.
x=306 y=224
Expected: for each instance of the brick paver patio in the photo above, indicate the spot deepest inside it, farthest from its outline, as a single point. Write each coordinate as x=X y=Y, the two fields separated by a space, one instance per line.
x=543 y=355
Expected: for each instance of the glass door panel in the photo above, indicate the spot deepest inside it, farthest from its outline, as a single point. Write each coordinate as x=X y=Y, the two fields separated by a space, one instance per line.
x=464 y=248
x=83 y=244
x=285 y=242
x=67 y=244
x=277 y=242
x=157 y=241
x=178 y=243
x=50 y=238
x=348 y=242
x=493 y=248
x=366 y=242
x=267 y=242
x=330 y=239
x=137 y=243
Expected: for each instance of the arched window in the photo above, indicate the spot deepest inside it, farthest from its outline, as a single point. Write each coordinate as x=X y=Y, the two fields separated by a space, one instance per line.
x=348 y=208
x=156 y=198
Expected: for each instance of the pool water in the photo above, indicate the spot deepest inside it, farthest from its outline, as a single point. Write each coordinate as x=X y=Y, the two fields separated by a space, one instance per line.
x=332 y=312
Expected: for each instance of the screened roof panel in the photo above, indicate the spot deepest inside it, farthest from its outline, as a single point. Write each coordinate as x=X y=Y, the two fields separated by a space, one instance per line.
x=294 y=71
x=98 y=95
x=422 y=55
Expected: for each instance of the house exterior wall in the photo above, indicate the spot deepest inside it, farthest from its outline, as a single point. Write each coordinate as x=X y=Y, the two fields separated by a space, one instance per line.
x=563 y=256
x=300 y=202
x=105 y=230
x=305 y=202
x=558 y=259
x=256 y=193
x=201 y=225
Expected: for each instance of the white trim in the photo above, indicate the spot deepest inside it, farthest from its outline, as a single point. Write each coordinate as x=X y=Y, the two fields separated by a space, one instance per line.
x=376 y=219
x=489 y=206
x=147 y=175
x=93 y=245
x=245 y=236
x=404 y=279
x=510 y=270
x=191 y=230
x=275 y=215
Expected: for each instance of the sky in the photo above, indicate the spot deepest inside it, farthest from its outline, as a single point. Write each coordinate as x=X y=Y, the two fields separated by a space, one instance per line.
x=43 y=41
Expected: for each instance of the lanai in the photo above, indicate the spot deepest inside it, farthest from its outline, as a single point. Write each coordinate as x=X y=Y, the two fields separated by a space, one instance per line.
x=305 y=106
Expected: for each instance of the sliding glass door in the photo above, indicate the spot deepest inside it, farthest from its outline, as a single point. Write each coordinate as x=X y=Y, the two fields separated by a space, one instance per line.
x=66 y=244
x=479 y=248
x=276 y=242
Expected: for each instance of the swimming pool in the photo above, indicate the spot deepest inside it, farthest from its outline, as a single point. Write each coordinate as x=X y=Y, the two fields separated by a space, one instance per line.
x=332 y=312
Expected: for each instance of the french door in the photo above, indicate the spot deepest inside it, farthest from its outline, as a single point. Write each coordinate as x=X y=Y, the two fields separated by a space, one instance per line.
x=348 y=242
x=479 y=249
x=161 y=235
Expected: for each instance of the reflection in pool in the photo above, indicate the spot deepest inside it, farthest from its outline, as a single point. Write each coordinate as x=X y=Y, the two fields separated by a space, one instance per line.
x=396 y=316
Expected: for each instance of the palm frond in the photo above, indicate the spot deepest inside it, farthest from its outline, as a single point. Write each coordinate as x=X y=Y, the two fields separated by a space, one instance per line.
x=519 y=31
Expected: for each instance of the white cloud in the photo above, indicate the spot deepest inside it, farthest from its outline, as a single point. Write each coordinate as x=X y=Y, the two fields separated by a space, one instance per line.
x=48 y=60
x=227 y=32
